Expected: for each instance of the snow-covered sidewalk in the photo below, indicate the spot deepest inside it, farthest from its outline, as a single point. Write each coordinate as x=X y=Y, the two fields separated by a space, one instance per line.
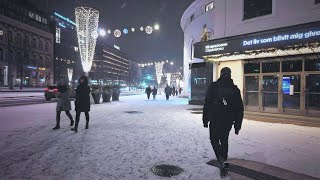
x=119 y=145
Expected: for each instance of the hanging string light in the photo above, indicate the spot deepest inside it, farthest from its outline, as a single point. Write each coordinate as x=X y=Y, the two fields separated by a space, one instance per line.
x=117 y=33
x=149 y=30
x=87 y=20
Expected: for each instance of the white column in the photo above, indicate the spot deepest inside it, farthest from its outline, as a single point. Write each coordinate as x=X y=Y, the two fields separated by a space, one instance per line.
x=5 y=75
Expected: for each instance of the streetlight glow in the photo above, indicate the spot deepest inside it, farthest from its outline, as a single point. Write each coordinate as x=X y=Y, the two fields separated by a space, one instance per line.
x=102 y=32
x=156 y=27
x=171 y=63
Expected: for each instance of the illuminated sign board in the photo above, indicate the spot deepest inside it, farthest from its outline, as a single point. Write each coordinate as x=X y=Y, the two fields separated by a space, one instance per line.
x=42 y=69
x=31 y=67
x=117 y=47
x=64 y=18
x=277 y=38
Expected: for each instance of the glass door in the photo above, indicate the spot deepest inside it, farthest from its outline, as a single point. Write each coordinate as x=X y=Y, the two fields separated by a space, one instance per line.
x=291 y=93
x=270 y=89
x=252 y=93
x=313 y=94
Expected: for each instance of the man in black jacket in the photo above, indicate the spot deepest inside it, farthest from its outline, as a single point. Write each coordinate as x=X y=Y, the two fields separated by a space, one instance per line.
x=223 y=108
x=148 y=92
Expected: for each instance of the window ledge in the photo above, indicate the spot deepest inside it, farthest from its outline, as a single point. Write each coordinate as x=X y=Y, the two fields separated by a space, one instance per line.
x=265 y=17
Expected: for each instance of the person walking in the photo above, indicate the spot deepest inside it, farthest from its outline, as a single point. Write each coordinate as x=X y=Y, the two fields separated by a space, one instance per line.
x=148 y=92
x=154 y=92
x=180 y=90
x=64 y=103
x=168 y=92
x=82 y=101
x=173 y=91
x=223 y=108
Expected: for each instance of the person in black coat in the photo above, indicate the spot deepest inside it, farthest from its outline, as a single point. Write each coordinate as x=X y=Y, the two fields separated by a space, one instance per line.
x=223 y=108
x=154 y=92
x=148 y=91
x=168 y=91
x=82 y=101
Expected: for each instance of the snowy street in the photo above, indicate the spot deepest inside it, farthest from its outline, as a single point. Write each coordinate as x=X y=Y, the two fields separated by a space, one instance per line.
x=119 y=145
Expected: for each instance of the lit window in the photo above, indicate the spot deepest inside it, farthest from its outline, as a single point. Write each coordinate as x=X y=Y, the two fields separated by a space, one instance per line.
x=58 y=35
x=31 y=15
x=44 y=21
x=209 y=6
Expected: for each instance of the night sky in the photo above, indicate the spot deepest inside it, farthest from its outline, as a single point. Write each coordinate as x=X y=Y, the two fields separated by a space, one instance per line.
x=118 y=14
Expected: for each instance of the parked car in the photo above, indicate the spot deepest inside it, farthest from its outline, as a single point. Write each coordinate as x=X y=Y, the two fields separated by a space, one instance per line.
x=52 y=91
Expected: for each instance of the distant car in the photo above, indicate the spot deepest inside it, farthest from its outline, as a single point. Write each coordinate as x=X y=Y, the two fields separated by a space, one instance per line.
x=52 y=91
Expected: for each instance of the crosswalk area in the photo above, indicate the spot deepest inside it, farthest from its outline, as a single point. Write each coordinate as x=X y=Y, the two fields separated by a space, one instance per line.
x=23 y=100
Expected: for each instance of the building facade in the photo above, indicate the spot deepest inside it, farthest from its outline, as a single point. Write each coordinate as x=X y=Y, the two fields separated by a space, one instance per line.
x=26 y=45
x=66 y=51
x=272 y=47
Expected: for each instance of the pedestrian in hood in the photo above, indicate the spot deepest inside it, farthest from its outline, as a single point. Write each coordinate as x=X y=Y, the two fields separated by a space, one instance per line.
x=223 y=108
x=168 y=91
x=64 y=103
x=82 y=101
x=148 y=92
x=154 y=92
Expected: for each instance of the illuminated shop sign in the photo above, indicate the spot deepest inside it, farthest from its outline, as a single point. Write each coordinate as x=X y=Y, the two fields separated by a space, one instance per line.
x=64 y=18
x=277 y=38
x=42 y=69
x=117 y=47
x=31 y=67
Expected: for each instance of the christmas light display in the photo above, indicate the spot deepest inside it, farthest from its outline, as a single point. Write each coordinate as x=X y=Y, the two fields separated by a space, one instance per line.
x=168 y=75
x=70 y=73
x=117 y=33
x=87 y=20
x=159 y=68
x=149 y=30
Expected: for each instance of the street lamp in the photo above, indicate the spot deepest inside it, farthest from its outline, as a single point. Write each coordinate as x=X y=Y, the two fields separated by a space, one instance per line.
x=156 y=27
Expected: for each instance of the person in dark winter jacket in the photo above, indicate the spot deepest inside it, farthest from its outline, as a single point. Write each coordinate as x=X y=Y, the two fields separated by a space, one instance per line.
x=173 y=91
x=82 y=101
x=148 y=92
x=223 y=108
x=168 y=92
x=154 y=92
x=64 y=103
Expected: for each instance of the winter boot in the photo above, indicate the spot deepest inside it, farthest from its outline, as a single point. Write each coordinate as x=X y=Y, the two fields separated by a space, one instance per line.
x=75 y=129
x=72 y=123
x=87 y=125
x=56 y=127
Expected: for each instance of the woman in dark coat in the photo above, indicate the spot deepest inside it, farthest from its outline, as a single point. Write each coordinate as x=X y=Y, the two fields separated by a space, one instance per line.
x=64 y=103
x=154 y=92
x=82 y=101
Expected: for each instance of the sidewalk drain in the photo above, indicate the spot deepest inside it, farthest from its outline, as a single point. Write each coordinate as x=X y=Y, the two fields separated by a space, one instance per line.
x=246 y=172
x=166 y=170
x=133 y=112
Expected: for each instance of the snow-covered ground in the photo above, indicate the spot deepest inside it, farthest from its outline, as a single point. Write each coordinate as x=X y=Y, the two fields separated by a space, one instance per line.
x=125 y=146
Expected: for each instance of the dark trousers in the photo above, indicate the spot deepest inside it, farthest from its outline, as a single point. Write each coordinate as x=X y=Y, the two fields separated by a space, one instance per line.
x=78 y=118
x=148 y=94
x=154 y=97
x=167 y=96
x=219 y=141
x=59 y=114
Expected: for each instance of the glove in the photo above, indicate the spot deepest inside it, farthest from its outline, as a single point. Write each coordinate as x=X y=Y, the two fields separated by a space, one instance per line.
x=205 y=125
x=236 y=131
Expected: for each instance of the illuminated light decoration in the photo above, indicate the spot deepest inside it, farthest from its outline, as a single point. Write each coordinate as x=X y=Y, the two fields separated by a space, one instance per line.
x=125 y=31
x=102 y=32
x=167 y=61
x=64 y=18
x=151 y=64
x=117 y=33
x=178 y=82
x=62 y=25
x=141 y=29
x=171 y=63
x=133 y=29
x=149 y=30
x=156 y=27
x=87 y=20
x=159 y=69
x=109 y=31
x=70 y=73
x=148 y=64
x=168 y=75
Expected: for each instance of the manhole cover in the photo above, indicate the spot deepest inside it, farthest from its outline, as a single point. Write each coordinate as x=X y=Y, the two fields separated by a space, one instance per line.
x=133 y=112
x=166 y=170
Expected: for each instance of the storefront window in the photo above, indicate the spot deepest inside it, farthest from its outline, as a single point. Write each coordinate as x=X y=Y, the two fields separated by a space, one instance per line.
x=270 y=91
x=313 y=92
x=312 y=65
x=291 y=91
x=252 y=90
x=251 y=68
x=270 y=67
x=292 y=66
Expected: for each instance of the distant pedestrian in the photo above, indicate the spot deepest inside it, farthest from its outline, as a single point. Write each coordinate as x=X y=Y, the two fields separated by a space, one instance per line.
x=223 y=108
x=180 y=90
x=82 y=101
x=173 y=91
x=64 y=103
x=176 y=92
x=148 y=92
x=154 y=92
x=168 y=92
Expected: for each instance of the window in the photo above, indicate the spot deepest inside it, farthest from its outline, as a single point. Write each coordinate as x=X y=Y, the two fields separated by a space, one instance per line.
x=47 y=46
x=292 y=66
x=209 y=7
x=270 y=67
x=58 y=35
x=27 y=40
x=317 y=1
x=38 y=18
x=312 y=65
x=32 y=15
x=40 y=45
x=44 y=21
x=34 y=43
x=10 y=36
x=18 y=38
x=256 y=8
x=1 y=55
x=192 y=18
x=251 y=68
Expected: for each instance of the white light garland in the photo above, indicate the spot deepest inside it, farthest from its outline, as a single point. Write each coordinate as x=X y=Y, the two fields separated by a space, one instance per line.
x=168 y=78
x=159 y=68
x=117 y=33
x=87 y=20
x=149 y=30
x=70 y=73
